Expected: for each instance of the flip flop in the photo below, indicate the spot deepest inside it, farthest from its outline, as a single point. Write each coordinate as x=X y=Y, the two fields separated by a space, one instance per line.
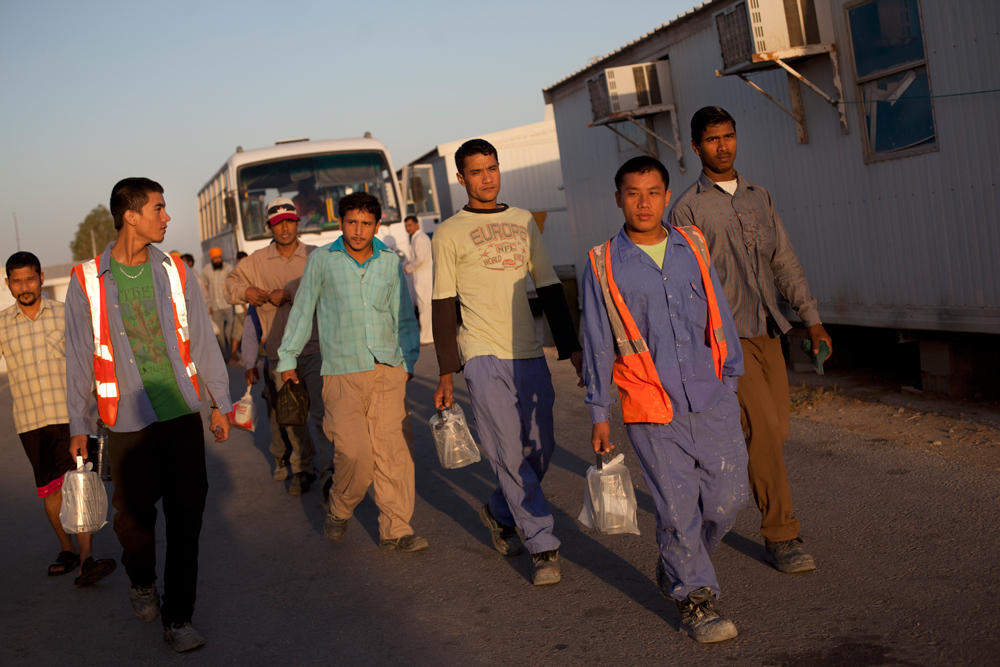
x=95 y=570
x=67 y=560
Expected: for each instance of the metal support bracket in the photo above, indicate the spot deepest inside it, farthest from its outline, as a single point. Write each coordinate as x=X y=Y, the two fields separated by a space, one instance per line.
x=798 y=111
x=641 y=113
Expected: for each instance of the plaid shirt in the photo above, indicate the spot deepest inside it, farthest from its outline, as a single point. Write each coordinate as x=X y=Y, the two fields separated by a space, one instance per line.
x=365 y=313
x=750 y=251
x=36 y=363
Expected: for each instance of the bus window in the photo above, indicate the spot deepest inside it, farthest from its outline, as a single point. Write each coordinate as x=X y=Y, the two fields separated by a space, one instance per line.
x=315 y=183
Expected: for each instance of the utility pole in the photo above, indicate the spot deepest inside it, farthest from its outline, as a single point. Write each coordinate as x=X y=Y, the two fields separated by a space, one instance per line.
x=17 y=235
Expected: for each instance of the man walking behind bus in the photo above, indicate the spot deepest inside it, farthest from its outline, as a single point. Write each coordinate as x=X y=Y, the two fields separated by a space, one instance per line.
x=32 y=340
x=421 y=267
x=213 y=282
x=370 y=341
x=139 y=335
x=269 y=279
x=753 y=255
x=657 y=324
x=482 y=255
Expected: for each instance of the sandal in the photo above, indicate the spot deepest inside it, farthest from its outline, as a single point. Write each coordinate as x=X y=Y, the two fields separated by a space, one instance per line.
x=95 y=570
x=67 y=560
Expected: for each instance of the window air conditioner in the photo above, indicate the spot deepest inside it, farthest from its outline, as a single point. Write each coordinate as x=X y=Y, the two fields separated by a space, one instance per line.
x=755 y=27
x=630 y=88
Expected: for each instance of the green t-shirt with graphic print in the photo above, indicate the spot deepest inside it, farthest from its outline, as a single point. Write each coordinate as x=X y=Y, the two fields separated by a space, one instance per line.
x=137 y=305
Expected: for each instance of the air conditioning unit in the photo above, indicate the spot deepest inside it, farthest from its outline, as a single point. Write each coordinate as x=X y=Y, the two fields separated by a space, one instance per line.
x=756 y=27
x=630 y=88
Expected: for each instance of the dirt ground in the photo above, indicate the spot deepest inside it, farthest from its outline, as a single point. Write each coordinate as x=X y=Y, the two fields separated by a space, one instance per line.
x=962 y=430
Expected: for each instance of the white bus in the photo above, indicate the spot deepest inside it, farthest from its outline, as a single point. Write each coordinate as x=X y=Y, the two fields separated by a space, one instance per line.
x=232 y=207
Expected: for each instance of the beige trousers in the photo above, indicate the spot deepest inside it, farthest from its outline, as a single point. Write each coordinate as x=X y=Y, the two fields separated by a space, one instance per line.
x=365 y=414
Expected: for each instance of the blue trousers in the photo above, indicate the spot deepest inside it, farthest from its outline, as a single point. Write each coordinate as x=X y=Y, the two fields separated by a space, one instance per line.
x=512 y=400
x=696 y=470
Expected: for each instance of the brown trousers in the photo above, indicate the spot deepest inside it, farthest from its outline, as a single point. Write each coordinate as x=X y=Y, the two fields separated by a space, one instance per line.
x=365 y=414
x=765 y=414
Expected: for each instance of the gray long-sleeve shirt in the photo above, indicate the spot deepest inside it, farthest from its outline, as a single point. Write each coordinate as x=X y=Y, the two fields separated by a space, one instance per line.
x=135 y=412
x=751 y=253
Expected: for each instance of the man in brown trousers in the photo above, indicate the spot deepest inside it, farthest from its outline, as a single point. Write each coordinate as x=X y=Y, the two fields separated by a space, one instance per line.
x=752 y=254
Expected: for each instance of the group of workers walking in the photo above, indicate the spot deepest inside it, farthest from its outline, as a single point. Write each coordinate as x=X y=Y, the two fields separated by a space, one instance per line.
x=682 y=317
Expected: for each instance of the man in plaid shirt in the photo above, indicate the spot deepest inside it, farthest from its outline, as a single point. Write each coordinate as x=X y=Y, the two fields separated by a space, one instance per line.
x=32 y=341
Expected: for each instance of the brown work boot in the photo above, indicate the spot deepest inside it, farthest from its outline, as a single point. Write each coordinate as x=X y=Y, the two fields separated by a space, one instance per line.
x=547 y=569
x=505 y=538
x=702 y=620
x=788 y=556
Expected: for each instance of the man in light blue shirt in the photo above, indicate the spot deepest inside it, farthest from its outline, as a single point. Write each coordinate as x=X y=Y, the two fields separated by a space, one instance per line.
x=369 y=340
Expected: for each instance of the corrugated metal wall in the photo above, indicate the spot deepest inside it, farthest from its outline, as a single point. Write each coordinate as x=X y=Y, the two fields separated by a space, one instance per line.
x=909 y=243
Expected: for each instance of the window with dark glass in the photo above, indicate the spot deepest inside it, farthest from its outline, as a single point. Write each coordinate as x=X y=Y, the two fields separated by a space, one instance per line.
x=890 y=67
x=315 y=184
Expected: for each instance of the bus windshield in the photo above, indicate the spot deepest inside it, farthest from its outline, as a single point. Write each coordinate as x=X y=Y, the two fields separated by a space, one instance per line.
x=315 y=183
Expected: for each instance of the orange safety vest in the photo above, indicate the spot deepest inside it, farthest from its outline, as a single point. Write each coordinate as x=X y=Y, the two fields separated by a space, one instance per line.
x=644 y=400
x=105 y=381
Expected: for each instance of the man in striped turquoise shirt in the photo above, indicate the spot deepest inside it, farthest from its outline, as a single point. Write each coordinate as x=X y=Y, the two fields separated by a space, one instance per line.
x=753 y=255
x=369 y=341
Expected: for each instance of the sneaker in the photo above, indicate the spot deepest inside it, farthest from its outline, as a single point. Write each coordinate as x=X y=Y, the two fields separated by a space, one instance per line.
x=182 y=637
x=301 y=481
x=406 y=544
x=788 y=556
x=702 y=620
x=145 y=602
x=505 y=538
x=334 y=529
x=280 y=470
x=546 y=568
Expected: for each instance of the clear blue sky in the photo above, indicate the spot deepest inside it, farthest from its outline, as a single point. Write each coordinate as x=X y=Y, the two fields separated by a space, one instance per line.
x=96 y=91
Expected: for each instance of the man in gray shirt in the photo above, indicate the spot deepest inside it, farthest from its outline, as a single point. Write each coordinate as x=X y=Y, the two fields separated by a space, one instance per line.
x=752 y=254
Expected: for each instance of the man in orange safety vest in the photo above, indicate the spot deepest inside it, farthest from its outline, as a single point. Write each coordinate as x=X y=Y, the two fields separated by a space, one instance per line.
x=139 y=338
x=656 y=323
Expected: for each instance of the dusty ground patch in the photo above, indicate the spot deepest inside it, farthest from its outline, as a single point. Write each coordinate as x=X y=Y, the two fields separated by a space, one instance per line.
x=961 y=430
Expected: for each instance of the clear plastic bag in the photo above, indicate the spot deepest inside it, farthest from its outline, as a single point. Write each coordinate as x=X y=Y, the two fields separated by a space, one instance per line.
x=455 y=446
x=609 y=498
x=244 y=414
x=85 y=502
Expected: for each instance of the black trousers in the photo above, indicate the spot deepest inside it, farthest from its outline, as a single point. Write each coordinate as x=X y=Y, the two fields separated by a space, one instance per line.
x=165 y=460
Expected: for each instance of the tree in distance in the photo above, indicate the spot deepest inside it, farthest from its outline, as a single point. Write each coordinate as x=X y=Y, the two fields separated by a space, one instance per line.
x=95 y=232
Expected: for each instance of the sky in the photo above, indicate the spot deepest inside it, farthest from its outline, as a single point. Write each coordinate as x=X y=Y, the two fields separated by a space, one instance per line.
x=93 y=92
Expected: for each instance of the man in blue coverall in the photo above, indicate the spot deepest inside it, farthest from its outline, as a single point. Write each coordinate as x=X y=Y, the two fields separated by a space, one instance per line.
x=692 y=455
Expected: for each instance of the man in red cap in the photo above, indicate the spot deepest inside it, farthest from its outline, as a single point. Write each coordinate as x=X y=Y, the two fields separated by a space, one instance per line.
x=268 y=279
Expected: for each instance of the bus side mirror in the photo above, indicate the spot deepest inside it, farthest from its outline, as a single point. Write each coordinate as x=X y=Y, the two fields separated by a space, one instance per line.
x=231 y=211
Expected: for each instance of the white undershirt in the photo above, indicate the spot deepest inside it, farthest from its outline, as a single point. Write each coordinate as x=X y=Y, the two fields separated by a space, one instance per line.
x=728 y=186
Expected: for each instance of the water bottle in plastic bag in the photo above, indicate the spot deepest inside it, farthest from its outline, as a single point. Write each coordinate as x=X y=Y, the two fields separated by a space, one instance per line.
x=244 y=414
x=97 y=452
x=84 y=500
x=455 y=446
x=609 y=498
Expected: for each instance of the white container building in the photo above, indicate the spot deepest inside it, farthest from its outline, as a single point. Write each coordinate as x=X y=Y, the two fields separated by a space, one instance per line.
x=887 y=181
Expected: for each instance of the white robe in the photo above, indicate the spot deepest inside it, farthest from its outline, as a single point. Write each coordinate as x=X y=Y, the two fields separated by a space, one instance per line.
x=421 y=267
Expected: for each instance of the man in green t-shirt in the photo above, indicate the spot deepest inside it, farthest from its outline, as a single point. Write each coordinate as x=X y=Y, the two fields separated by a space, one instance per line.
x=156 y=336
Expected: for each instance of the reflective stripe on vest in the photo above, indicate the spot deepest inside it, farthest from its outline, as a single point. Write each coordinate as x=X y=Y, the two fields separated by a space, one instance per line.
x=715 y=336
x=176 y=273
x=105 y=381
x=644 y=400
